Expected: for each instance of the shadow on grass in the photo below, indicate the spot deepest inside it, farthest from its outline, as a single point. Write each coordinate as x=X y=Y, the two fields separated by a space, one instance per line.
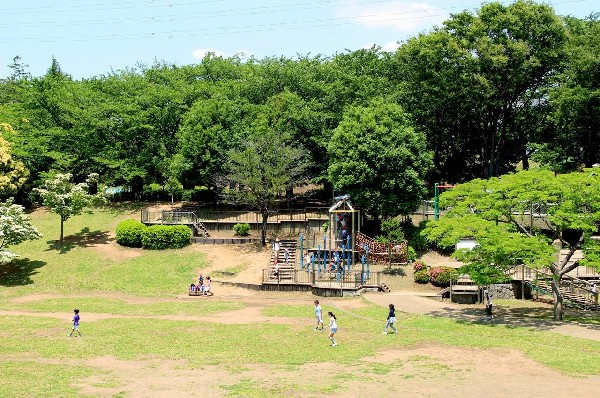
x=19 y=272
x=538 y=318
x=83 y=238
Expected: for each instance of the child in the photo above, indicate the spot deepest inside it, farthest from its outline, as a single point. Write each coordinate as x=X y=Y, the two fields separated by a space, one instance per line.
x=206 y=287
x=391 y=319
x=75 y=323
x=488 y=303
x=332 y=328
x=318 y=315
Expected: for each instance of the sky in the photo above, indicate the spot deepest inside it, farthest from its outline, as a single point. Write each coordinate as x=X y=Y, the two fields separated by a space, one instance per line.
x=92 y=38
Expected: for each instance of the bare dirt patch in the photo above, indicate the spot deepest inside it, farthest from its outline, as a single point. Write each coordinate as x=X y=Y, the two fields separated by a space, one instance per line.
x=425 y=371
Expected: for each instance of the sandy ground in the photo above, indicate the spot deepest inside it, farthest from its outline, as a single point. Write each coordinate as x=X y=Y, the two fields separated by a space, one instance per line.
x=425 y=371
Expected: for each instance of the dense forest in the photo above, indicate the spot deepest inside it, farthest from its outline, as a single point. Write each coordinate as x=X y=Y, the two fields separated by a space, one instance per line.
x=479 y=96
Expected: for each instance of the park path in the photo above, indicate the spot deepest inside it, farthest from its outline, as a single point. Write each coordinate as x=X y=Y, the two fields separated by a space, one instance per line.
x=419 y=303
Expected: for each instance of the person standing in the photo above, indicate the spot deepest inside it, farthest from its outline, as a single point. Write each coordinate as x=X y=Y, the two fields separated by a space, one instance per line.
x=391 y=320
x=332 y=328
x=318 y=315
x=488 y=303
x=286 y=253
x=200 y=280
x=75 y=323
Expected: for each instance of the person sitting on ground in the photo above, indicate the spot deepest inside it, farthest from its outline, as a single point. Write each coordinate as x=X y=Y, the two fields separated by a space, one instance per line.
x=192 y=288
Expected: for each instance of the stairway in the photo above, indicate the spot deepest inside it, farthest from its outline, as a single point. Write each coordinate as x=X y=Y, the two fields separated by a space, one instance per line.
x=201 y=229
x=570 y=298
x=286 y=269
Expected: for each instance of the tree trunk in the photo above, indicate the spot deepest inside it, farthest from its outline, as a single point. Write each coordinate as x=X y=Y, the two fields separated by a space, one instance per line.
x=558 y=298
x=289 y=194
x=62 y=230
x=263 y=232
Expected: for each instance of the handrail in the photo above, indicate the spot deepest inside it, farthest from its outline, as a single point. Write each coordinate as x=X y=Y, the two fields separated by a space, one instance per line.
x=574 y=285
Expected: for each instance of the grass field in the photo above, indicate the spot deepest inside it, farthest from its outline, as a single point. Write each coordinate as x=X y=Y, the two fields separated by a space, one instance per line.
x=132 y=323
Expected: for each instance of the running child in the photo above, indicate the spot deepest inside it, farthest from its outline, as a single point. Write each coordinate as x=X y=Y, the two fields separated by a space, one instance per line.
x=391 y=319
x=332 y=328
x=75 y=323
x=318 y=315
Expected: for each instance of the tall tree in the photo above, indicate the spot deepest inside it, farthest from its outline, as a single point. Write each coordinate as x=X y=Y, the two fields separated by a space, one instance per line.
x=261 y=169
x=467 y=82
x=68 y=199
x=575 y=102
x=496 y=213
x=378 y=158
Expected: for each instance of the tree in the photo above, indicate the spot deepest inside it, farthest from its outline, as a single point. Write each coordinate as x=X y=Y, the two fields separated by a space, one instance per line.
x=67 y=199
x=495 y=212
x=378 y=158
x=15 y=228
x=262 y=169
x=575 y=102
x=469 y=82
x=13 y=173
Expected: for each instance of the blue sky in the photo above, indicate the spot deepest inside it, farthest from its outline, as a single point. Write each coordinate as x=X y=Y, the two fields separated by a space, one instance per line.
x=90 y=38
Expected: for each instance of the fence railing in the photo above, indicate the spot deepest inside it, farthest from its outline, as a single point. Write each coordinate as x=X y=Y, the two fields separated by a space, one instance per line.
x=228 y=216
x=169 y=217
x=568 y=283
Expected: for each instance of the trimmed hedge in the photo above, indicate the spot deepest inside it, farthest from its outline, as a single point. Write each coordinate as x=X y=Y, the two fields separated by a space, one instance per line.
x=159 y=237
x=129 y=233
x=241 y=229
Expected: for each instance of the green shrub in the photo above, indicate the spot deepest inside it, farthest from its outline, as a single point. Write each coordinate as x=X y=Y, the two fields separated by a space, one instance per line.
x=440 y=276
x=129 y=233
x=412 y=254
x=159 y=237
x=419 y=265
x=242 y=229
x=422 y=276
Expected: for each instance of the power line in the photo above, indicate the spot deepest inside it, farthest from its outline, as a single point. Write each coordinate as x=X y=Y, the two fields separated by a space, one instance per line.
x=328 y=22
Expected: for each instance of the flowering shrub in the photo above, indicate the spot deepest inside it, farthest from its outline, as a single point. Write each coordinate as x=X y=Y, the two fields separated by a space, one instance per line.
x=440 y=276
x=419 y=265
x=422 y=276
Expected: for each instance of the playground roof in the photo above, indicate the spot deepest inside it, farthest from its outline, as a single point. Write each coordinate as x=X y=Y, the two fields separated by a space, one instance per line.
x=343 y=204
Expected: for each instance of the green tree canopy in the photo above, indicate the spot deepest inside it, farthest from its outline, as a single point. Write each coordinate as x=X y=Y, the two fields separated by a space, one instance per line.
x=13 y=173
x=468 y=83
x=495 y=212
x=378 y=158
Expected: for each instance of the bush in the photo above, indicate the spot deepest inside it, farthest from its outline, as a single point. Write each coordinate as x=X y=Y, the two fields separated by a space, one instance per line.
x=440 y=276
x=159 y=237
x=241 y=229
x=412 y=254
x=419 y=266
x=129 y=233
x=422 y=276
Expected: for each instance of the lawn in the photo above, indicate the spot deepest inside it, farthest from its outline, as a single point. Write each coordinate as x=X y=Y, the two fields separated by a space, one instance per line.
x=130 y=316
